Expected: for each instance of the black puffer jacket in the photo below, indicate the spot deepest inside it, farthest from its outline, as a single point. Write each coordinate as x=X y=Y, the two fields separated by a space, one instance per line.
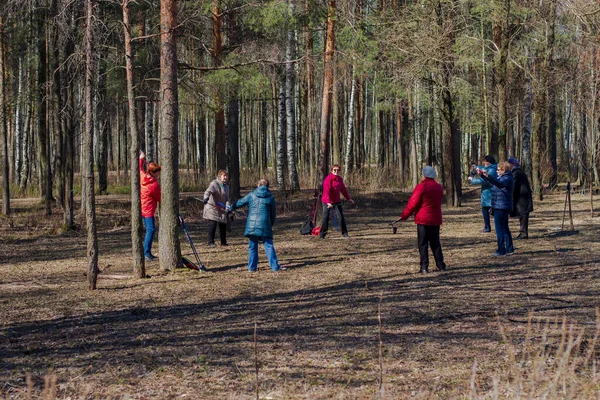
x=522 y=199
x=261 y=212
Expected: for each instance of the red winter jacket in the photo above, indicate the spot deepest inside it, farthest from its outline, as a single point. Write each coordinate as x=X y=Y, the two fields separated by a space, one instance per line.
x=149 y=192
x=426 y=203
x=332 y=186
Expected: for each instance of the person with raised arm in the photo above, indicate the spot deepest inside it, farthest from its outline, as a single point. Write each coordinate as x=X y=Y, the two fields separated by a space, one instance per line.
x=150 y=197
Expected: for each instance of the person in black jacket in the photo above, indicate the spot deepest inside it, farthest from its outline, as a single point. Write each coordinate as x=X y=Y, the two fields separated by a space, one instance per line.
x=522 y=198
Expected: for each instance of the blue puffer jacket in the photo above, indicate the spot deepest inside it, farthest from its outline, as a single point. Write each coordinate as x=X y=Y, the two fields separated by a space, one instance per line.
x=502 y=191
x=486 y=188
x=261 y=212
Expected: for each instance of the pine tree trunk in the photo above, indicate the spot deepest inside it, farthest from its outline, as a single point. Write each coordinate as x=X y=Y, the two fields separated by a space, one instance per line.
x=3 y=129
x=233 y=116
x=220 y=133
x=139 y=268
x=170 y=252
x=102 y=119
x=88 y=147
x=42 y=124
x=328 y=66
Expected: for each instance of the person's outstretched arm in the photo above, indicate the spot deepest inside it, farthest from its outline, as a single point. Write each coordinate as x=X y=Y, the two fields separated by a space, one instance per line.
x=414 y=203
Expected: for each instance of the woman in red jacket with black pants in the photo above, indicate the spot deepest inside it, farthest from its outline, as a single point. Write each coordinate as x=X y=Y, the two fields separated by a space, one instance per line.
x=426 y=203
x=150 y=196
x=333 y=185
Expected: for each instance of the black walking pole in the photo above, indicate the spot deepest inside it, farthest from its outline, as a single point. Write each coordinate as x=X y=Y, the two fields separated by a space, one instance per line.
x=200 y=266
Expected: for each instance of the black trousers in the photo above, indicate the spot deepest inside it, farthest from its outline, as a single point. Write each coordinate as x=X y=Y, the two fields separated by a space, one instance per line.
x=430 y=236
x=212 y=228
x=337 y=210
x=524 y=222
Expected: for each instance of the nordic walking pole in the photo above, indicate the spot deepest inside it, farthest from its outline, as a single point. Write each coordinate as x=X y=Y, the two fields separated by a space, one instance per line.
x=200 y=265
x=562 y=226
x=570 y=210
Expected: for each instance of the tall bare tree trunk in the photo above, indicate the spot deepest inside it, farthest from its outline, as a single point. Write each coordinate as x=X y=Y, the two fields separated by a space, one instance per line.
x=45 y=174
x=139 y=268
x=328 y=67
x=502 y=40
x=88 y=147
x=281 y=127
x=102 y=119
x=233 y=125
x=3 y=129
x=290 y=105
x=170 y=251
x=220 y=133
x=350 y=135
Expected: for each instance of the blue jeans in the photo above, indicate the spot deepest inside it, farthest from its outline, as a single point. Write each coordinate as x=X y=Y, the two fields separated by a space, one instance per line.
x=253 y=253
x=150 y=229
x=503 y=235
x=485 y=211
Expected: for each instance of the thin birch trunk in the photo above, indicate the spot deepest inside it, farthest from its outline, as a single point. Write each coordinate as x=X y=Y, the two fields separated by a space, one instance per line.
x=281 y=128
x=350 y=135
x=290 y=105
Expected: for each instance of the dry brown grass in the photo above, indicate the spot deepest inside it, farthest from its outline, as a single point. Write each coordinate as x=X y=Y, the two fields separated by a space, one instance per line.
x=191 y=335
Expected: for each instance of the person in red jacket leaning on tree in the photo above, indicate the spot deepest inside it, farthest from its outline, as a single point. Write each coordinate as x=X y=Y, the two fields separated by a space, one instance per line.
x=426 y=203
x=333 y=185
x=150 y=196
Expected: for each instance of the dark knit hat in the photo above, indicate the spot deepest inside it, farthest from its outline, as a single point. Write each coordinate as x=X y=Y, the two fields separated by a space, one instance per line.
x=490 y=159
x=513 y=161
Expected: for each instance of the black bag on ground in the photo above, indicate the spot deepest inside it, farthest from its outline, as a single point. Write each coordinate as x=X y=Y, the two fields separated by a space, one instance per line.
x=307 y=227
x=311 y=219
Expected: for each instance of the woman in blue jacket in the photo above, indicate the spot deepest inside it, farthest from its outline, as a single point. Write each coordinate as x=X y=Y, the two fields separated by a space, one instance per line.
x=259 y=226
x=502 y=205
x=489 y=165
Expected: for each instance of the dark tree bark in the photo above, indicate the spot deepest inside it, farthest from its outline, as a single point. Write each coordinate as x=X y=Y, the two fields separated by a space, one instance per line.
x=45 y=171
x=139 y=268
x=233 y=125
x=328 y=67
x=170 y=251
x=102 y=119
x=502 y=40
x=220 y=133
x=88 y=147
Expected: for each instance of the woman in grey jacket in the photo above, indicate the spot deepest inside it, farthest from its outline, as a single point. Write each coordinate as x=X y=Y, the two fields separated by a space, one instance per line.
x=216 y=199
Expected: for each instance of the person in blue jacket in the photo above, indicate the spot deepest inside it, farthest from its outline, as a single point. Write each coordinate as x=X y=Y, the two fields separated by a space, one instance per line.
x=502 y=205
x=489 y=165
x=259 y=226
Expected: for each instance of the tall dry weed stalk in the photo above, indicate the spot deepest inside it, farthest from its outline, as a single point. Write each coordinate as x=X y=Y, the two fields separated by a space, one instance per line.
x=555 y=360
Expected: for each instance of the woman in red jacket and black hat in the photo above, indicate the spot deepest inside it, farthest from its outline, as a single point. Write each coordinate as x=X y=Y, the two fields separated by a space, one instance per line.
x=150 y=196
x=426 y=203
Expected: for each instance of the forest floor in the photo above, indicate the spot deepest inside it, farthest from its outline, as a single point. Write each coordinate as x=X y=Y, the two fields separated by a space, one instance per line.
x=185 y=334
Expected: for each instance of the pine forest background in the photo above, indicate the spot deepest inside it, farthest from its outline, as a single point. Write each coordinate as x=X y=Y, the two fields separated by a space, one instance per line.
x=285 y=88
